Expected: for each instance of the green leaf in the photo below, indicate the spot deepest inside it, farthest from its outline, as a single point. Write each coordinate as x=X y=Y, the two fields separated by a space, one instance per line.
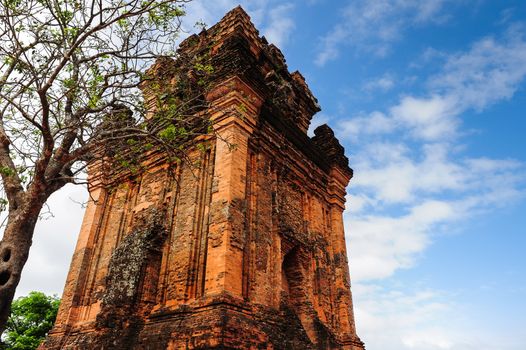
x=30 y=320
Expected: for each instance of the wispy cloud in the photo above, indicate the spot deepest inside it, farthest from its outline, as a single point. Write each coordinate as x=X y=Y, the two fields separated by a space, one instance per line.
x=384 y=83
x=400 y=317
x=408 y=158
x=280 y=24
x=375 y=123
x=403 y=315
x=431 y=195
x=373 y=25
x=489 y=72
x=428 y=118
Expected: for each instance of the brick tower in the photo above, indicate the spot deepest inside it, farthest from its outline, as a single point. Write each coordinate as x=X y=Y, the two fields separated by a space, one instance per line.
x=245 y=251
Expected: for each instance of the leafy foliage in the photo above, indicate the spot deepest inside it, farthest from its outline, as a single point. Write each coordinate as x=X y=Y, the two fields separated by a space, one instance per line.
x=31 y=319
x=65 y=65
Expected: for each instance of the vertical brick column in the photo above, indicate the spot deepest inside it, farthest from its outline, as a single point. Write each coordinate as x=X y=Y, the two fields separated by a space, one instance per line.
x=343 y=300
x=236 y=107
x=69 y=308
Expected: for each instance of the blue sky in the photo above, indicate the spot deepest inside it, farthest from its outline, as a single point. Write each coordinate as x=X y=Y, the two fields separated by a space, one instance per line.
x=429 y=100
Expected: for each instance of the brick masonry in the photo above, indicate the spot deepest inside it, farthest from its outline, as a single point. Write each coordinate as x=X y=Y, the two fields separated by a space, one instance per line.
x=240 y=247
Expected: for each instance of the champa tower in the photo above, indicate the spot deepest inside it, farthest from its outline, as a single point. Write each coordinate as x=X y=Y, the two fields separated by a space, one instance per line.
x=246 y=251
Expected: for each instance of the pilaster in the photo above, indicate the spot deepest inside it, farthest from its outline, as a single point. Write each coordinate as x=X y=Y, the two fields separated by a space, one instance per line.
x=235 y=107
x=69 y=309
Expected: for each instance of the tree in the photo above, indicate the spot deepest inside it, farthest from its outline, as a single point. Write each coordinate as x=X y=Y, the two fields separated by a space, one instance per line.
x=30 y=320
x=70 y=79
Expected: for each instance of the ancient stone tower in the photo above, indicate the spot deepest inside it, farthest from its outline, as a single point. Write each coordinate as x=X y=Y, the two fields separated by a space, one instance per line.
x=244 y=250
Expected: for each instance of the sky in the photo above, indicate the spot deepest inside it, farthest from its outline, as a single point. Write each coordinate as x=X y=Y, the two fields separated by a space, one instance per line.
x=429 y=99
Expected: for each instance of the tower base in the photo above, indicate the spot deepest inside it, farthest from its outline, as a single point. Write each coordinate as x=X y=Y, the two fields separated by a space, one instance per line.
x=222 y=322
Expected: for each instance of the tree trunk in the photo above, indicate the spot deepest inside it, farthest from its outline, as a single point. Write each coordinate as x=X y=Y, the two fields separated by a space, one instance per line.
x=14 y=251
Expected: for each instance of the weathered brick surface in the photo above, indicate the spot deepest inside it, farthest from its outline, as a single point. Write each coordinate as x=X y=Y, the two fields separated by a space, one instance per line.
x=240 y=247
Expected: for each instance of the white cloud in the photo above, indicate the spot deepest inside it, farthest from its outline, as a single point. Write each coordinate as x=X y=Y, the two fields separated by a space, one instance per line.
x=489 y=72
x=373 y=124
x=506 y=15
x=280 y=25
x=411 y=183
x=53 y=243
x=383 y=83
x=401 y=317
x=431 y=189
x=373 y=25
x=430 y=118
x=391 y=172
x=357 y=202
x=317 y=120
x=382 y=244
x=330 y=45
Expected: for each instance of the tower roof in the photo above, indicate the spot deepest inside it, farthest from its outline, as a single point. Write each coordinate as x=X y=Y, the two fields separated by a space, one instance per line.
x=234 y=48
x=237 y=48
